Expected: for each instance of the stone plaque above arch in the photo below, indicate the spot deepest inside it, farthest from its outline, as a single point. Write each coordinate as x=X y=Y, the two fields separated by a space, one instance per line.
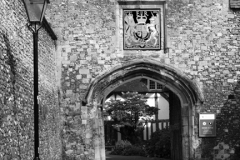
x=141 y=25
x=141 y=29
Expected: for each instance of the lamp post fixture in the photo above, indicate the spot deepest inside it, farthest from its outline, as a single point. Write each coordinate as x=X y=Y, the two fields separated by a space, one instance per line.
x=35 y=11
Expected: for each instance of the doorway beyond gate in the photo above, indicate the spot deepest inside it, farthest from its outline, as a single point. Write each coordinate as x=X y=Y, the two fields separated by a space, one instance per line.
x=185 y=95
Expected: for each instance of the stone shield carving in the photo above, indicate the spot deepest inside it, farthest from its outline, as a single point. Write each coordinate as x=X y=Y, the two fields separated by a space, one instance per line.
x=141 y=29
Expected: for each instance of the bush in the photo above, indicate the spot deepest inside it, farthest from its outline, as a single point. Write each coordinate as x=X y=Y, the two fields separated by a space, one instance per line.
x=120 y=146
x=125 y=148
x=133 y=151
x=159 y=145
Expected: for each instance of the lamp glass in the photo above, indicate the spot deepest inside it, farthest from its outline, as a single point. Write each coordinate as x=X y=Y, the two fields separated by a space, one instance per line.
x=35 y=10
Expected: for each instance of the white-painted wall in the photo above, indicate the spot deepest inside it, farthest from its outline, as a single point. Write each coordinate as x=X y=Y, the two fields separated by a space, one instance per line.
x=163 y=105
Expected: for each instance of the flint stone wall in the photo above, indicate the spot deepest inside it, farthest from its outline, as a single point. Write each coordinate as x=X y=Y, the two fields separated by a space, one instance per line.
x=203 y=42
x=16 y=89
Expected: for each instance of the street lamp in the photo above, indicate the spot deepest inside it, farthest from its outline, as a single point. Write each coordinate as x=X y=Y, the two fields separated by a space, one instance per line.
x=35 y=11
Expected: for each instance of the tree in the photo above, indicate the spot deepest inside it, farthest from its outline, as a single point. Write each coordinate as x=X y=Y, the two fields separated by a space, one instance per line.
x=130 y=114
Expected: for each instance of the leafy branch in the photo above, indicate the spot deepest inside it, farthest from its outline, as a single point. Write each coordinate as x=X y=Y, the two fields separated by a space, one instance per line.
x=130 y=113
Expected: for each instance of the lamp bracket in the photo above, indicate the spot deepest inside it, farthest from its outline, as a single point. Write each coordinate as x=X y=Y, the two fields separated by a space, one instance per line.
x=34 y=27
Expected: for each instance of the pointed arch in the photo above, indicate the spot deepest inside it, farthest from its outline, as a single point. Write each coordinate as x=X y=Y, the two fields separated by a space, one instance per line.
x=166 y=74
x=188 y=91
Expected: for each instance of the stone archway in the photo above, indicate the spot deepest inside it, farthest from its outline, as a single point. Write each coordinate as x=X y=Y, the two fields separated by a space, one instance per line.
x=188 y=92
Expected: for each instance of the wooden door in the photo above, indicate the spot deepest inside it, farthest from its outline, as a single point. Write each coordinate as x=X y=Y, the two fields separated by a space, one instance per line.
x=175 y=125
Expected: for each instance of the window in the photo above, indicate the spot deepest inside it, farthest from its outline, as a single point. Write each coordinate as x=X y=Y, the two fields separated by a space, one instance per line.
x=159 y=86
x=153 y=85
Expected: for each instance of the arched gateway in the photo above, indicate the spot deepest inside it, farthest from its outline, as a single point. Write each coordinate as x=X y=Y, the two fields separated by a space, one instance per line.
x=186 y=94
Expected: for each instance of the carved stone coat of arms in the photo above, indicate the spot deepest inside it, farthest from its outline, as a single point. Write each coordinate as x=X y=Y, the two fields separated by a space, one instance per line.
x=141 y=29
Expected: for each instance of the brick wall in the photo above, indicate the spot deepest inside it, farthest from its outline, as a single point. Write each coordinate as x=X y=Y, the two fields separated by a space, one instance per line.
x=203 y=41
x=16 y=88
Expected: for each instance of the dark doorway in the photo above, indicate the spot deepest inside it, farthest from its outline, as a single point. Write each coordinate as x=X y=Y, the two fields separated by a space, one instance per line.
x=175 y=124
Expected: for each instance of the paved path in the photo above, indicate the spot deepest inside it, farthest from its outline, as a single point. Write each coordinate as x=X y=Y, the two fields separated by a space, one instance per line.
x=117 y=157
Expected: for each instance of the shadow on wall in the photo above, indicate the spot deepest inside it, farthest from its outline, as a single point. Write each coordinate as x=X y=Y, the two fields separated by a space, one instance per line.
x=16 y=108
x=226 y=145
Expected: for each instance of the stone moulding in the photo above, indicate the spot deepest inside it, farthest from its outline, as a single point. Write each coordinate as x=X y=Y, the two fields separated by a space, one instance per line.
x=166 y=71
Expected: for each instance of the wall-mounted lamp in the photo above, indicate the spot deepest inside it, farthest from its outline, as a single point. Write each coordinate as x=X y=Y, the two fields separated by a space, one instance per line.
x=35 y=11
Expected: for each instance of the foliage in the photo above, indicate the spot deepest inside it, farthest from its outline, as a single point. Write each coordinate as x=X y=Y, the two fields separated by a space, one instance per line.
x=130 y=114
x=127 y=149
x=120 y=146
x=159 y=145
x=128 y=111
x=133 y=151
